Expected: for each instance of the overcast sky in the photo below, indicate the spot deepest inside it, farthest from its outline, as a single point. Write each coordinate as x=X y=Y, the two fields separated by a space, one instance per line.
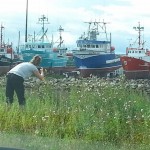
x=122 y=16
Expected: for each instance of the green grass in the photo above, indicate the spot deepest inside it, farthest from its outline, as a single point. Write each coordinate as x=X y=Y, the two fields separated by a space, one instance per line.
x=83 y=114
x=28 y=142
x=37 y=143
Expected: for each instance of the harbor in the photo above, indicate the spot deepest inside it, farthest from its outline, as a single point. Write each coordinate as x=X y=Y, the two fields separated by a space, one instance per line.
x=92 y=57
x=88 y=84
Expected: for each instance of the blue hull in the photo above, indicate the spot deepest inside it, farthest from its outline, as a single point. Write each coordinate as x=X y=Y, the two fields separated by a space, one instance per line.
x=97 y=64
x=101 y=61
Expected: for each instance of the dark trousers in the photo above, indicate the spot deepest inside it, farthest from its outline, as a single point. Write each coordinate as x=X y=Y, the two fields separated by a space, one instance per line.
x=15 y=83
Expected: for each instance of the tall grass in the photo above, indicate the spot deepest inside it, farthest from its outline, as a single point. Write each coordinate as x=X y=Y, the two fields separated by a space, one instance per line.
x=87 y=109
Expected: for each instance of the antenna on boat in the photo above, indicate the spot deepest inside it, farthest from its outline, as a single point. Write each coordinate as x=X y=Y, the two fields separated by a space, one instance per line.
x=139 y=29
x=93 y=31
x=104 y=27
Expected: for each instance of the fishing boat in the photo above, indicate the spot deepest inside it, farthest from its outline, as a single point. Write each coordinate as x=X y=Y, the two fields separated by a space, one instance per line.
x=38 y=45
x=8 y=57
x=53 y=53
x=94 y=54
x=136 y=62
x=52 y=56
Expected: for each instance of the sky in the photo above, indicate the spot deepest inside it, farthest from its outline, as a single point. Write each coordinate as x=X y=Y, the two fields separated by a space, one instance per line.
x=71 y=15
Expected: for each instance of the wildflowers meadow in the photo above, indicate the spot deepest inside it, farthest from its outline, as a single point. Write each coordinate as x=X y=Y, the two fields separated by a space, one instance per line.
x=92 y=109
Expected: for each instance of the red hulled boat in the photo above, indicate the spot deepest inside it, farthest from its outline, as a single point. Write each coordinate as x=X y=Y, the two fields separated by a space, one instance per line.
x=136 y=62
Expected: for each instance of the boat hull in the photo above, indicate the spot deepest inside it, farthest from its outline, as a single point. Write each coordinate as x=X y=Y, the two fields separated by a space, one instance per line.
x=49 y=59
x=97 y=72
x=99 y=65
x=6 y=64
x=4 y=69
x=4 y=61
x=135 y=68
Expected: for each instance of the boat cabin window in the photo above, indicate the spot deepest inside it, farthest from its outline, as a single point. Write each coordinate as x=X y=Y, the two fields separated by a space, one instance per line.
x=1 y=50
x=42 y=46
x=96 y=46
x=132 y=51
x=39 y=46
x=139 y=51
x=88 y=46
x=79 y=45
x=93 y=46
x=101 y=46
x=28 y=46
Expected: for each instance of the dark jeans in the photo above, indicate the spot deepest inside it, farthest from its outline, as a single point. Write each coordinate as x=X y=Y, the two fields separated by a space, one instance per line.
x=15 y=83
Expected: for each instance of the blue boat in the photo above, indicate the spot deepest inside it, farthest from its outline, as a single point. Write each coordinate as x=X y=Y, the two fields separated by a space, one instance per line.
x=94 y=54
x=52 y=56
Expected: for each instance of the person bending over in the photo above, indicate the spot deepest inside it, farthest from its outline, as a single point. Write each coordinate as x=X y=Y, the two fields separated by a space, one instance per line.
x=16 y=77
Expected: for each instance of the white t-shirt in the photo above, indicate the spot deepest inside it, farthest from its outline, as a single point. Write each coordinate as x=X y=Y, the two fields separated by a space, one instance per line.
x=24 y=69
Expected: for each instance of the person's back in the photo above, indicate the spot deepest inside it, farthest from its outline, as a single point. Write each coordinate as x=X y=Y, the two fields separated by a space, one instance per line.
x=25 y=69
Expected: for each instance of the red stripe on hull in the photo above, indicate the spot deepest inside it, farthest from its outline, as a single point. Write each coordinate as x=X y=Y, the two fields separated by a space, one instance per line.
x=135 y=68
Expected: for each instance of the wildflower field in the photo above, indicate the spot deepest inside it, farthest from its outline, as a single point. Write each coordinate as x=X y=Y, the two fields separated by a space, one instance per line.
x=90 y=111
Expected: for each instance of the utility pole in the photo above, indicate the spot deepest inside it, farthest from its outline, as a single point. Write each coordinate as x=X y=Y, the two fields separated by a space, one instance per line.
x=26 y=32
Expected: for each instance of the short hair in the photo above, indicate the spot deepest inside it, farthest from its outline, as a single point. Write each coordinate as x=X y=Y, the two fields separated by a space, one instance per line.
x=36 y=60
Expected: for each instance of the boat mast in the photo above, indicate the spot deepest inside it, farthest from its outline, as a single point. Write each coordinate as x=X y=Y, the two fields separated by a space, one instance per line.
x=26 y=32
x=60 y=36
x=89 y=29
x=43 y=20
x=105 y=29
x=1 y=36
x=18 y=43
x=139 y=29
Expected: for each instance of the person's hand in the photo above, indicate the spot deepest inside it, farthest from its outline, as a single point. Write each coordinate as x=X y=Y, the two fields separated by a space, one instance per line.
x=42 y=72
x=41 y=69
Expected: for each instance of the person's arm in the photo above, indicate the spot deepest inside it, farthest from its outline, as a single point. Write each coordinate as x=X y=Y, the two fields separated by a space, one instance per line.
x=38 y=75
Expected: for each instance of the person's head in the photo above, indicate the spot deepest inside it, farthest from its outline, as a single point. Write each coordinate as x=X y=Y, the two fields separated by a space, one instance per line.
x=36 y=60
